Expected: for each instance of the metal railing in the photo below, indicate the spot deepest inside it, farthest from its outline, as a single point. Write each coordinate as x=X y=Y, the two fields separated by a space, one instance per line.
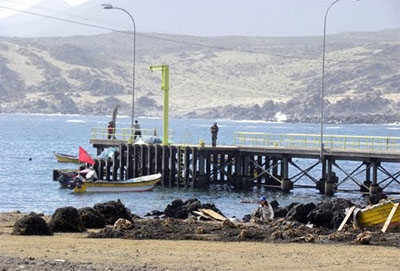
x=125 y=134
x=308 y=141
x=337 y=142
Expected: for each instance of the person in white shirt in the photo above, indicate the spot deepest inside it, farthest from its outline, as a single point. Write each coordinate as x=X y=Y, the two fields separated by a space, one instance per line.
x=264 y=210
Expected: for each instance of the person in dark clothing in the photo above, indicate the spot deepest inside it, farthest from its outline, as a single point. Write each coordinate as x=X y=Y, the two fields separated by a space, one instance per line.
x=138 y=132
x=111 y=130
x=214 y=134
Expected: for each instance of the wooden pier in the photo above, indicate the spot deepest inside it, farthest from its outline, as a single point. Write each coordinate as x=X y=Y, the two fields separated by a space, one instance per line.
x=271 y=161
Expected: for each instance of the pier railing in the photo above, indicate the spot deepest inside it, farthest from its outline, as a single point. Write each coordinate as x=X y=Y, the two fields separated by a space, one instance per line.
x=337 y=142
x=125 y=134
x=308 y=141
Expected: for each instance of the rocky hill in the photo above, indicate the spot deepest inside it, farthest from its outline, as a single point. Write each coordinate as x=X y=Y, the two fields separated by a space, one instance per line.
x=256 y=78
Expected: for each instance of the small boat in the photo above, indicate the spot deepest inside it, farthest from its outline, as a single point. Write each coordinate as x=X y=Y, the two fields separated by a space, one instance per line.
x=66 y=177
x=139 y=184
x=66 y=158
x=379 y=214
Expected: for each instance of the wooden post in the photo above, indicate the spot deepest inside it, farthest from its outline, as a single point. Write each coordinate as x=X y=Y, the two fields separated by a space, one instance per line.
x=389 y=218
x=129 y=162
x=134 y=161
x=115 y=165
x=172 y=163
x=121 y=161
x=164 y=165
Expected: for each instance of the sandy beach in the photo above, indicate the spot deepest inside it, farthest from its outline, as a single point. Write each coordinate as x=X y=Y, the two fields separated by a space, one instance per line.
x=74 y=251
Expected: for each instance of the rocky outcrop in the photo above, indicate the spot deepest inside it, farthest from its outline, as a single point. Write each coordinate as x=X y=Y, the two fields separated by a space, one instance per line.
x=181 y=210
x=32 y=224
x=66 y=219
x=91 y=218
x=112 y=211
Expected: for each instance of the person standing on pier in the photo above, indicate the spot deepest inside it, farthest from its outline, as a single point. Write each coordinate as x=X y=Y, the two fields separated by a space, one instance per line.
x=111 y=130
x=214 y=134
x=264 y=211
x=138 y=132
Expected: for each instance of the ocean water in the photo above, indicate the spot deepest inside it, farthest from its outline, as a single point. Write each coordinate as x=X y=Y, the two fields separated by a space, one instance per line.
x=27 y=143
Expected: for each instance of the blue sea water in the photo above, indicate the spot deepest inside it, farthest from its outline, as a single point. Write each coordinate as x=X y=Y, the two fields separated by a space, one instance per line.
x=27 y=143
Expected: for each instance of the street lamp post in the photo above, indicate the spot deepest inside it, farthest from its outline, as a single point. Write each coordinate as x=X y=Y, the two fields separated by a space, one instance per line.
x=109 y=6
x=323 y=82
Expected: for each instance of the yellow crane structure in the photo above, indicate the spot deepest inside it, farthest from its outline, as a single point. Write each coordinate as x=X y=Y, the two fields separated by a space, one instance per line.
x=164 y=86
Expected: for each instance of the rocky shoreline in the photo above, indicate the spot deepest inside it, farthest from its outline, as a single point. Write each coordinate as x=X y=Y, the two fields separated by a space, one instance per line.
x=294 y=224
x=305 y=223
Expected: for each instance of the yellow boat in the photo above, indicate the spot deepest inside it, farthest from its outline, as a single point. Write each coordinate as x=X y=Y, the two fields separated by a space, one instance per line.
x=66 y=158
x=139 y=184
x=376 y=215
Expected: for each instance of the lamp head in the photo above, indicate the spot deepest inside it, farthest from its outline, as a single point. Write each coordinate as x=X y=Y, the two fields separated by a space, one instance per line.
x=107 y=6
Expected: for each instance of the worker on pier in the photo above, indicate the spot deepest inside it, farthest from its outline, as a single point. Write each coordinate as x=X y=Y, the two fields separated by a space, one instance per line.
x=138 y=132
x=264 y=210
x=111 y=130
x=214 y=134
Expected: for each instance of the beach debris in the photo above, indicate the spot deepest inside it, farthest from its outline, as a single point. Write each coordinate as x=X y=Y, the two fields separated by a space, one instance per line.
x=212 y=214
x=200 y=230
x=123 y=224
x=244 y=234
x=181 y=210
x=229 y=224
x=309 y=238
x=364 y=238
x=278 y=234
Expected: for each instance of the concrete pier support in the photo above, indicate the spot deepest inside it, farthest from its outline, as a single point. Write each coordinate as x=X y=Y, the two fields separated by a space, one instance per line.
x=286 y=184
x=330 y=183
x=329 y=188
x=374 y=187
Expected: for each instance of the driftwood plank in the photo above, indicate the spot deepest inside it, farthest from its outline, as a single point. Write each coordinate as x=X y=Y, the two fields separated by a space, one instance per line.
x=200 y=214
x=213 y=214
x=348 y=214
x=389 y=218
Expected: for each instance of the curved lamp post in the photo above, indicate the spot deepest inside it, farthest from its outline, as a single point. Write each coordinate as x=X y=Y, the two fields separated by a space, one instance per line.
x=109 y=6
x=323 y=81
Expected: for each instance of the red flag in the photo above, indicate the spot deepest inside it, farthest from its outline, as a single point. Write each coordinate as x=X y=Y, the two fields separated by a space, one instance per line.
x=85 y=157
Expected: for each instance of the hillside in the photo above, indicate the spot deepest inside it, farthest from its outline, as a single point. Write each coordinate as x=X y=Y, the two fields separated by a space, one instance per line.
x=212 y=77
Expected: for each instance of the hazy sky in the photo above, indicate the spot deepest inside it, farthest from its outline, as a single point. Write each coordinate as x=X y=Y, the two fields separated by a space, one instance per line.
x=24 y=4
x=223 y=17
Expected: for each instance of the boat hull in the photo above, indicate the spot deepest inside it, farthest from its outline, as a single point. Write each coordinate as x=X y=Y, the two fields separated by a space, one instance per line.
x=66 y=158
x=140 y=184
x=376 y=215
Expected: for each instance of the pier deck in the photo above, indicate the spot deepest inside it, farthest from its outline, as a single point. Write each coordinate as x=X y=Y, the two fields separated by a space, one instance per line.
x=362 y=164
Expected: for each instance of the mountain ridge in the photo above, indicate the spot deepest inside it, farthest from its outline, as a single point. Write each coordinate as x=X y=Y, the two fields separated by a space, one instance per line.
x=233 y=77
